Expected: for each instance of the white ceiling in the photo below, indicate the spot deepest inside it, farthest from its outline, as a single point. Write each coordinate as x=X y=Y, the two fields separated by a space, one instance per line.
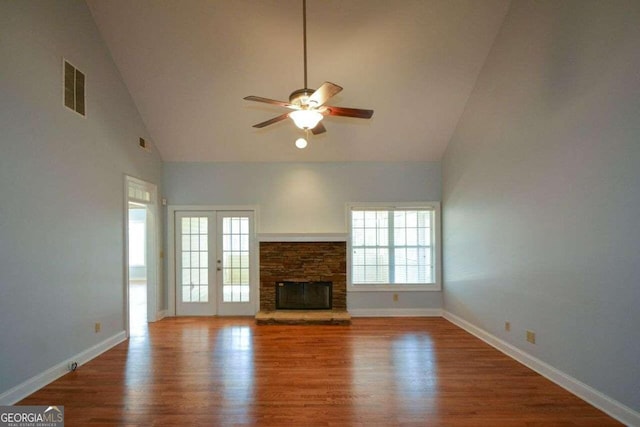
x=189 y=63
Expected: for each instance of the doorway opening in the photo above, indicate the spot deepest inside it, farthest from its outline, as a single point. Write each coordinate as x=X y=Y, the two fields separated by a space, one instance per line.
x=137 y=269
x=141 y=269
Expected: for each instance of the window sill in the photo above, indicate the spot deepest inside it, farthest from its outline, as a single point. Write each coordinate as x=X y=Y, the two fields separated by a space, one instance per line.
x=394 y=288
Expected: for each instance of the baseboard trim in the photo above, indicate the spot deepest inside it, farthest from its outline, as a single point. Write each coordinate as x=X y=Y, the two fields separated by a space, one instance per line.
x=35 y=383
x=395 y=312
x=617 y=410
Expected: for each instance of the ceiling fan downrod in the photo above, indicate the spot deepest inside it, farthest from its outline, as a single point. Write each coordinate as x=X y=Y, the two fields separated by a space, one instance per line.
x=304 y=38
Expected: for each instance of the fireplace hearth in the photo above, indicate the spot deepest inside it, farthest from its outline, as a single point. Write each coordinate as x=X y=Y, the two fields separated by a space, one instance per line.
x=303 y=295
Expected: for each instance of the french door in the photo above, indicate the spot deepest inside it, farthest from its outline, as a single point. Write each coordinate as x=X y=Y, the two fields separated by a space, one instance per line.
x=214 y=263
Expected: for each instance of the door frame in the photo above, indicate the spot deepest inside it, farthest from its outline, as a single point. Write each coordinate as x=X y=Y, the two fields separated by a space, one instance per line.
x=171 y=248
x=152 y=249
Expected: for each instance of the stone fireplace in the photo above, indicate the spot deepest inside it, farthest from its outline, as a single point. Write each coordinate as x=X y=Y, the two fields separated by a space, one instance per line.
x=303 y=262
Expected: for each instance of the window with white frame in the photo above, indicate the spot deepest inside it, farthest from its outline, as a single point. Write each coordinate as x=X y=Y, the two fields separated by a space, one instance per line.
x=394 y=247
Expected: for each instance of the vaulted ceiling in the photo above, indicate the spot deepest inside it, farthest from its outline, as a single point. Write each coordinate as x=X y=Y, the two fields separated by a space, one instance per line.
x=189 y=63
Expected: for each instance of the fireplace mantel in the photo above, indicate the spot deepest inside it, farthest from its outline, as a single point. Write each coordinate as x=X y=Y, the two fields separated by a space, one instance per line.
x=302 y=237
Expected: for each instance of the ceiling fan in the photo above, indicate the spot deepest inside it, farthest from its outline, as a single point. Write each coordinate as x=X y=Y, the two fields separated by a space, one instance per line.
x=308 y=105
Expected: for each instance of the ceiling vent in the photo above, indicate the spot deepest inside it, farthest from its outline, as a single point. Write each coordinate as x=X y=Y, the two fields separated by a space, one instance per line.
x=142 y=143
x=74 y=84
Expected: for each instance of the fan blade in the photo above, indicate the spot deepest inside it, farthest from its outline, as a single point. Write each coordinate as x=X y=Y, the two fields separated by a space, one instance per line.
x=271 y=101
x=318 y=129
x=350 y=112
x=324 y=92
x=272 y=121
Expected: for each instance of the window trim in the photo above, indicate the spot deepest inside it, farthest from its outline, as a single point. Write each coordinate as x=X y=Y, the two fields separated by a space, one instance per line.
x=390 y=287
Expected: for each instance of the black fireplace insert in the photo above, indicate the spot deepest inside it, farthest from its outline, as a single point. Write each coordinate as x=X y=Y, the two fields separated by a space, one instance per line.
x=303 y=295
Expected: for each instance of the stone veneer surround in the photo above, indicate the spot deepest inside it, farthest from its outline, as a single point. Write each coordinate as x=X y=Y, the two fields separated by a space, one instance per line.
x=300 y=262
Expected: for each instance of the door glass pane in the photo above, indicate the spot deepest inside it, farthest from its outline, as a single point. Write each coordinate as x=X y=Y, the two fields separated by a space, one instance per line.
x=195 y=293
x=204 y=247
x=195 y=225
x=194 y=243
x=235 y=259
x=194 y=255
x=186 y=294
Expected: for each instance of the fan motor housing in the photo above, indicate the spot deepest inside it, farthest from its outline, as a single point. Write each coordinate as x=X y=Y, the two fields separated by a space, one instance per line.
x=301 y=96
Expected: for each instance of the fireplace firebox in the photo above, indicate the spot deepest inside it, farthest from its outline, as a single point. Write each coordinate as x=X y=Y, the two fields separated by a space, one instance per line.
x=303 y=295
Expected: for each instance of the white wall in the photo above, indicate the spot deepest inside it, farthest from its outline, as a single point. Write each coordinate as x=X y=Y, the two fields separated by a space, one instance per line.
x=309 y=198
x=61 y=188
x=541 y=192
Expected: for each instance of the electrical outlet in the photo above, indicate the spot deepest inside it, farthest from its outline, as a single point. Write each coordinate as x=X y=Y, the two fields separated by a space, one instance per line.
x=507 y=326
x=98 y=327
x=531 y=337
x=395 y=297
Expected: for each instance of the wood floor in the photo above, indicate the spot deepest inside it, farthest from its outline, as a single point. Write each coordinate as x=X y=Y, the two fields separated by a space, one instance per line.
x=382 y=371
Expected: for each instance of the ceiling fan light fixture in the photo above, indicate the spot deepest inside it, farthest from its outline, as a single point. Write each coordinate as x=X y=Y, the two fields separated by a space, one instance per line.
x=301 y=143
x=306 y=119
x=309 y=105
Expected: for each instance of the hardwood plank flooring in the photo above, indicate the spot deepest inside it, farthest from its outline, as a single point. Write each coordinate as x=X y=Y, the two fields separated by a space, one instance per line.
x=377 y=371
